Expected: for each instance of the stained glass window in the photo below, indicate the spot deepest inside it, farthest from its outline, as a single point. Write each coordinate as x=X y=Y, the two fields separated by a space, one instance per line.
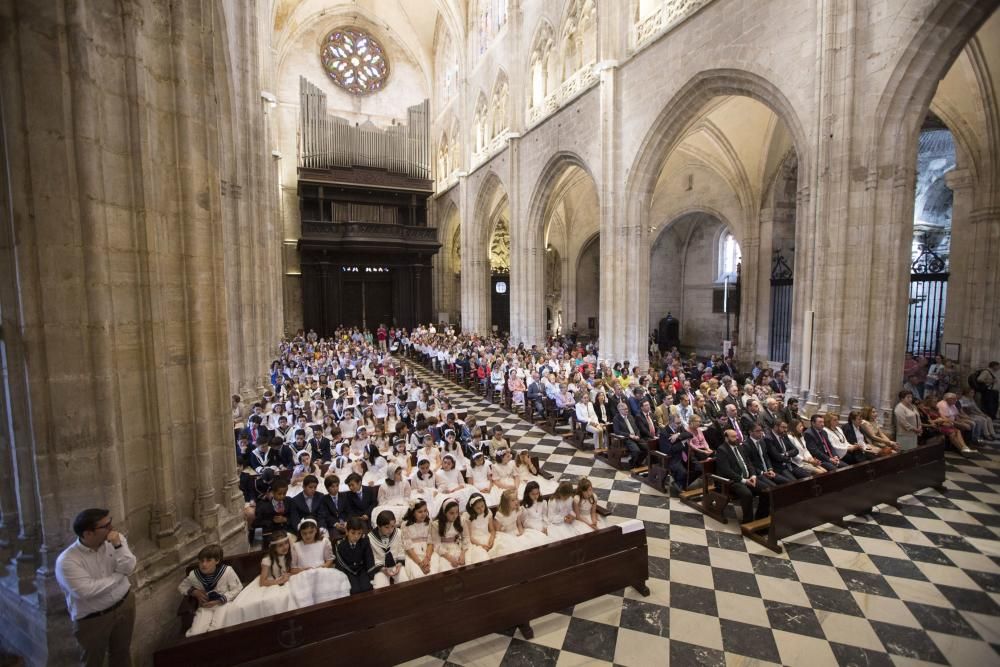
x=355 y=61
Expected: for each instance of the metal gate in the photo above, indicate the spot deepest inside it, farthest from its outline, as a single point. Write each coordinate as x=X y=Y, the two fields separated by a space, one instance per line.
x=781 y=309
x=928 y=299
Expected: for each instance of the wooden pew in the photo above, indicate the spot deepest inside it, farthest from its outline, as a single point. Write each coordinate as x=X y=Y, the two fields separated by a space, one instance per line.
x=713 y=497
x=389 y=625
x=657 y=473
x=805 y=504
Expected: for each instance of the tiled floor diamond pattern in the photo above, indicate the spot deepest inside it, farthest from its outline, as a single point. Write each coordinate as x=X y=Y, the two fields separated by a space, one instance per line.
x=916 y=584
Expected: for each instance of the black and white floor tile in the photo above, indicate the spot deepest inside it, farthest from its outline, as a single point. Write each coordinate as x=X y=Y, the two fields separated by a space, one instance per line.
x=917 y=584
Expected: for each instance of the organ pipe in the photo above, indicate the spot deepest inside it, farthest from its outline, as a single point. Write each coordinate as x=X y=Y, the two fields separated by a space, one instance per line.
x=330 y=141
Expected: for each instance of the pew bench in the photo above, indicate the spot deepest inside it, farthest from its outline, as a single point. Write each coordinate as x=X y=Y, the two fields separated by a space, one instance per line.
x=827 y=498
x=389 y=625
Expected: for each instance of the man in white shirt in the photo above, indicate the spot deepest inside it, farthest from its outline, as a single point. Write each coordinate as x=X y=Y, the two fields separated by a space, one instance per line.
x=93 y=573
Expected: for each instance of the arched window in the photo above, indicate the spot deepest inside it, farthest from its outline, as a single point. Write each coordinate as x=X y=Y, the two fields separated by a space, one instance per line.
x=491 y=17
x=729 y=257
x=541 y=60
x=354 y=60
x=446 y=66
x=499 y=121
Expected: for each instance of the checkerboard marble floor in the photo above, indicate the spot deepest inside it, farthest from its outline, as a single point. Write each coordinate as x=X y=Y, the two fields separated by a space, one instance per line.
x=917 y=584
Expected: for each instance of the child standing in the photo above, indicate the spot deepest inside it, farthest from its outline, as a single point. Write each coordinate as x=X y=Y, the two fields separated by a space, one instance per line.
x=387 y=550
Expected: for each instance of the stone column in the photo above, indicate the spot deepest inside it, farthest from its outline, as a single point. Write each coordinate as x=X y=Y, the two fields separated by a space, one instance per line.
x=475 y=266
x=971 y=317
x=831 y=292
x=750 y=294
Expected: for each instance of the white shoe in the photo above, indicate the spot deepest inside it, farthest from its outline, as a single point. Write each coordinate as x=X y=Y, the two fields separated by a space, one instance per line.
x=967 y=451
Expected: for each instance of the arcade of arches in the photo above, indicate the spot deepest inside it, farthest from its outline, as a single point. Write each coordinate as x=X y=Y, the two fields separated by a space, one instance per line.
x=816 y=182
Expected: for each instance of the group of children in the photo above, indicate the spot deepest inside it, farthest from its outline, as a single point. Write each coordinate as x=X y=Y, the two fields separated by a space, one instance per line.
x=308 y=568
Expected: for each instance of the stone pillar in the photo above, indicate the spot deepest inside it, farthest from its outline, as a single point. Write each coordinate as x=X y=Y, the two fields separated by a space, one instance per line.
x=831 y=292
x=475 y=266
x=970 y=317
x=117 y=359
x=750 y=294
x=799 y=363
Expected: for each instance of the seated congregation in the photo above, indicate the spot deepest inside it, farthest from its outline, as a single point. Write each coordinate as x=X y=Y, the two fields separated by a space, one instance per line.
x=699 y=421
x=343 y=508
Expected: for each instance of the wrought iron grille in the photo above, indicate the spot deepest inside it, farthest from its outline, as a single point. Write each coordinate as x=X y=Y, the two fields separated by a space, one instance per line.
x=780 y=337
x=928 y=300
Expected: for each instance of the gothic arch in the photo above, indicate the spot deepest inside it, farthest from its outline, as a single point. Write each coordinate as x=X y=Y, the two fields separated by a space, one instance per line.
x=676 y=117
x=491 y=191
x=499 y=114
x=541 y=59
x=541 y=197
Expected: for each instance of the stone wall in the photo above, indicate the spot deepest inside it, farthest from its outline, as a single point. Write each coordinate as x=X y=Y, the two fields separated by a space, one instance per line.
x=138 y=292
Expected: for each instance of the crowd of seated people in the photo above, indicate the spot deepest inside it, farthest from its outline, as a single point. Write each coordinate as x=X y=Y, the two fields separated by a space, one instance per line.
x=360 y=475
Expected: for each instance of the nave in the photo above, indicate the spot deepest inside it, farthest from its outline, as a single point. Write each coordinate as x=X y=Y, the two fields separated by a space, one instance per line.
x=910 y=585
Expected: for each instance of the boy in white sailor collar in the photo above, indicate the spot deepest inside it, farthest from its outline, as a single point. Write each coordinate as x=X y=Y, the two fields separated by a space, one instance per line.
x=387 y=550
x=212 y=583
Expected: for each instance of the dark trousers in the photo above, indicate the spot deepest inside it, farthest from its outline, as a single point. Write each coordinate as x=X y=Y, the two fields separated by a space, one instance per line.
x=744 y=496
x=360 y=583
x=991 y=400
x=794 y=472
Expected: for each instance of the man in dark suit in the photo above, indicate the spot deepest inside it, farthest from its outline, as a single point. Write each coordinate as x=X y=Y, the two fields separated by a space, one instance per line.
x=646 y=422
x=782 y=452
x=625 y=426
x=730 y=420
x=756 y=450
x=673 y=442
x=818 y=444
x=732 y=464
x=713 y=408
x=792 y=411
x=535 y=394
x=751 y=417
x=778 y=383
x=358 y=501
x=770 y=415
x=307 y=503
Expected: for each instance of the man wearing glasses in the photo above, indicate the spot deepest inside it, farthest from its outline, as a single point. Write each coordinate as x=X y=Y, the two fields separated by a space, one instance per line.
x=93 y=573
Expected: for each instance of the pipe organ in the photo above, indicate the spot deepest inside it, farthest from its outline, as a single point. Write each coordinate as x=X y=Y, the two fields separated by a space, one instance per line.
x=327 y=141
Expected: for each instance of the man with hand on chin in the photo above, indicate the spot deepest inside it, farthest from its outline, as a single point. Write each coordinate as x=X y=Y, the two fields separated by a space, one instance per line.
x=93 y=573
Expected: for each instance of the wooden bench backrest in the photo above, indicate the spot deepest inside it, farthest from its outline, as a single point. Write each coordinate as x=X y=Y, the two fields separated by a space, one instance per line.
x=832 y=496
x=560 y=573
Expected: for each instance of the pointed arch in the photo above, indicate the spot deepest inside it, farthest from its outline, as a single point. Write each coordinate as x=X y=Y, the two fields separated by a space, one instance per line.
x=499 y=116
x=541 y=60
x=480 y=124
